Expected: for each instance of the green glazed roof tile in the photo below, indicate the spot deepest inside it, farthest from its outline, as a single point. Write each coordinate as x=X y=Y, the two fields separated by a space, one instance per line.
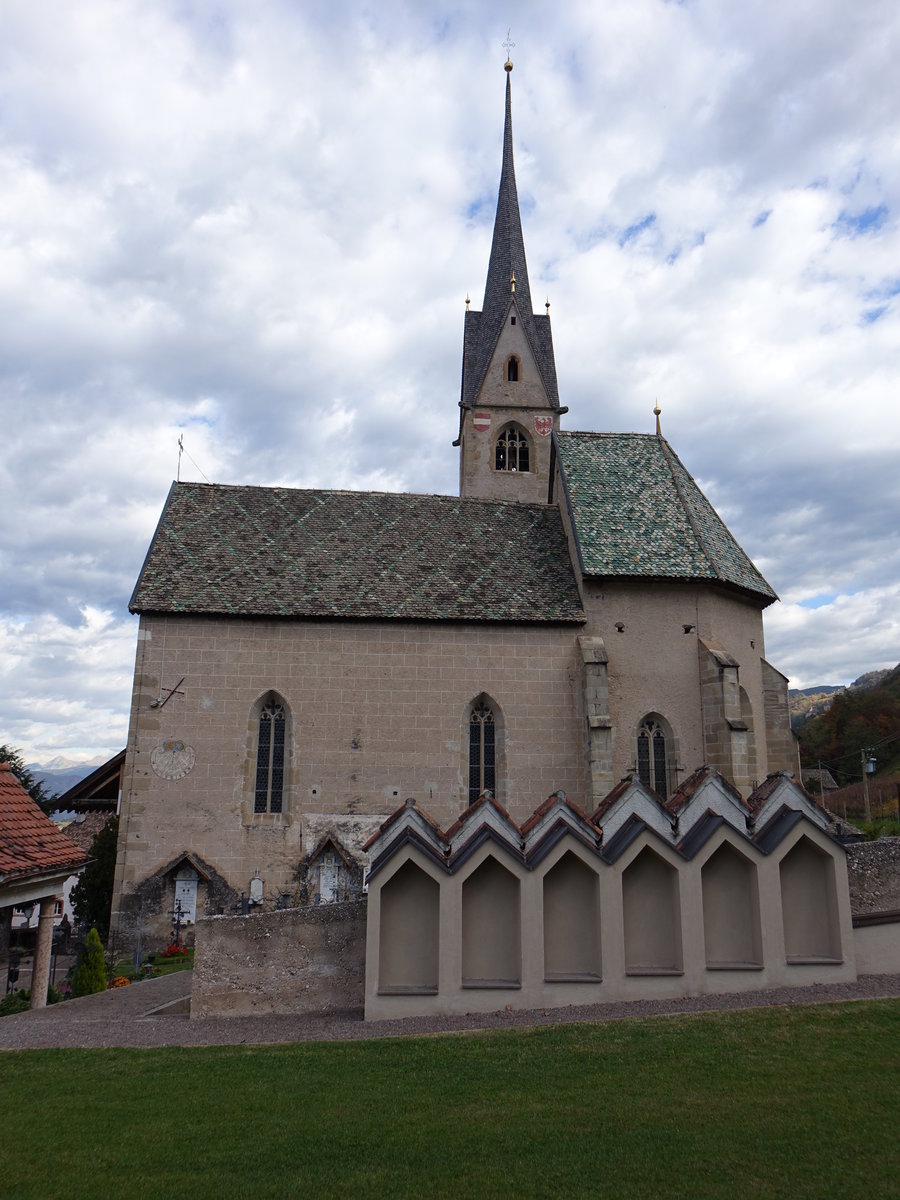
x=639 y=513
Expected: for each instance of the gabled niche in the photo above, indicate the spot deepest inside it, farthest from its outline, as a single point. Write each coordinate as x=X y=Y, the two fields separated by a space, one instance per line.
x=409 y=942
x=731 y=924
x=571 y=922
x=809 y=905
x=491 y=928
x=652 y=916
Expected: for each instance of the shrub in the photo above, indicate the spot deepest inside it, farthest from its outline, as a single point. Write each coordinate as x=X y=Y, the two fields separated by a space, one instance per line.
x=91 y=974
x=17 y=1002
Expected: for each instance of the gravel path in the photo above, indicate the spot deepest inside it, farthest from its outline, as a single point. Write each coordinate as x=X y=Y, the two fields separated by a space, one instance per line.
x=132 y=1016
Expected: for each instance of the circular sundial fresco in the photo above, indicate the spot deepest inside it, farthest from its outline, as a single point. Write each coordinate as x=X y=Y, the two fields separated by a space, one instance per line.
x=172 y=760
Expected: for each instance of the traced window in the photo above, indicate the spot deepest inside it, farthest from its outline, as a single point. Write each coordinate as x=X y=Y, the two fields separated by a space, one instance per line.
x=512 y=369
x=512 y=450
x=269 y=790
x=482 y=750
x=653 y=751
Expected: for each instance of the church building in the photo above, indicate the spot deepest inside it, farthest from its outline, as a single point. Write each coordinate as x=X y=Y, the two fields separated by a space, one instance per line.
x=336 y=690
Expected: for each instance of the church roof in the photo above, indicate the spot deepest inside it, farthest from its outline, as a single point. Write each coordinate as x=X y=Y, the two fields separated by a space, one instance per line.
x=285 y=552
x=638 y=513
x=482 y=329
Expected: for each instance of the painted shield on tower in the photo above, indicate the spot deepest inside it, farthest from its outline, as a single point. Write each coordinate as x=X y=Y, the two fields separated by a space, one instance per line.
x=482 y=421
x=543 y=426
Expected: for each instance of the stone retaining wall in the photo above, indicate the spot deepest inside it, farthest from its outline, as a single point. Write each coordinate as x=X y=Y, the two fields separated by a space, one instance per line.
x=298 y=961
x=873 y=871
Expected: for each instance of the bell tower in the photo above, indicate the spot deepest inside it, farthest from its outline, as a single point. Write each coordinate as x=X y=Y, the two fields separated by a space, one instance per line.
x=509 y=404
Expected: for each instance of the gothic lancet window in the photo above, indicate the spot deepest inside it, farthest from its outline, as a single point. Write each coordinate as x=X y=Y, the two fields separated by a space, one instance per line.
x=269 y=790
x=653 y=756
x=482 y=747
x=512 y=450
x=512 y=370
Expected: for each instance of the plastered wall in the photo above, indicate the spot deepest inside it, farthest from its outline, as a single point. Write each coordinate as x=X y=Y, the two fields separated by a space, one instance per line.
x=639 y=928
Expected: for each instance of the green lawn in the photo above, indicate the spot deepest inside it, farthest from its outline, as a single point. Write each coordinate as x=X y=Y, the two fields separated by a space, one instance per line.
x=781 y=1102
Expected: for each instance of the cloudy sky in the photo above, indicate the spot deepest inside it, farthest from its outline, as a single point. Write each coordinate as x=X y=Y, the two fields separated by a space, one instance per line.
x=255 y=225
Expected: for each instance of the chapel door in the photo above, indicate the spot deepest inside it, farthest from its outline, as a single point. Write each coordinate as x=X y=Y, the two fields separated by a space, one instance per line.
x=186 y=893
x=328 y=880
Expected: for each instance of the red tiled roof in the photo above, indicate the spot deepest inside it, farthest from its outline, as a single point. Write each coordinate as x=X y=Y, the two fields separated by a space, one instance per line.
x=609 y=800
x=543 y=809
x=690 y=786
x=486 y=799
x=395 y=816
x=771 y=782
x=30 y=844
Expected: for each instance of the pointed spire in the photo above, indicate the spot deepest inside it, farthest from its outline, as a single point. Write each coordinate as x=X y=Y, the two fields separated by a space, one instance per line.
x=507 y=282
x=508 y=245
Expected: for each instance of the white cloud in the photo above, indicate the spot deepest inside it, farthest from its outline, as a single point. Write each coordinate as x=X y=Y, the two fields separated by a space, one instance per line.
x=62 y=686
x=256 y=225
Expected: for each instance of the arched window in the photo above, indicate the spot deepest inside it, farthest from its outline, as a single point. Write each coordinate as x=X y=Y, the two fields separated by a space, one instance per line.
x=512 y=369
x=512 y=450
x=654 y=745
x=482 y=749
x=270 y=762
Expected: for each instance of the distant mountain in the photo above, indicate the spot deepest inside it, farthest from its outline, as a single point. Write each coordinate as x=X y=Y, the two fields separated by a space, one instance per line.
x=60 y=774
x=806 y=703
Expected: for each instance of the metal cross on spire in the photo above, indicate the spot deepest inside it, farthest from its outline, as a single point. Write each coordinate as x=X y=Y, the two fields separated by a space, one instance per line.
x=508 y=45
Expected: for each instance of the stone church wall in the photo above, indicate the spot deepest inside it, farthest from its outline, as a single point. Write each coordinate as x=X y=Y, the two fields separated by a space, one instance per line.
x=377 y=713
x=518 y=402
x=651 y=637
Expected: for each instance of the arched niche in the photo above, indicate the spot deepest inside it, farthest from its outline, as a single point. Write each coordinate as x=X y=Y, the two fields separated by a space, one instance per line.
x=809 y=905
x=409 y=937
x=491 y=927
x=652 y=916
x=731 y=924
x=571 y=922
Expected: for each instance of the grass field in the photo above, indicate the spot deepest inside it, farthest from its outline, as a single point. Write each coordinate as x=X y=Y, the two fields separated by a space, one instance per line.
x=768 y=1103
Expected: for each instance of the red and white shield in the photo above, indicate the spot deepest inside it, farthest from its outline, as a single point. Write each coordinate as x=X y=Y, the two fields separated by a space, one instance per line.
x=543 y=426
x=482 y=421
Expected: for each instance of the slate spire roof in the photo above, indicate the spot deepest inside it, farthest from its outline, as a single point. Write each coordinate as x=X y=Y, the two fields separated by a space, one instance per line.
x=638 y=513
x=482 y=329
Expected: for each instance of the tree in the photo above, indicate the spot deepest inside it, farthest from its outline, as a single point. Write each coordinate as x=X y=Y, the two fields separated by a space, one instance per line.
x=91 y=974
x=857 y=719
x=92 y=894
x=35 y=789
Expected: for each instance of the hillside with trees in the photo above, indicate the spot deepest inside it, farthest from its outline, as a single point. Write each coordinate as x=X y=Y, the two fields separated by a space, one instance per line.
x=857 y=719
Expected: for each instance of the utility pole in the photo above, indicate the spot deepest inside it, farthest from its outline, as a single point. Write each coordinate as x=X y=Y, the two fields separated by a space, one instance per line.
x=868 y=761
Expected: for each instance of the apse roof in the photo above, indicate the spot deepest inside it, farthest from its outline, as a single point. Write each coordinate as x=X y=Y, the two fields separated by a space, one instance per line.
x=639 y=514
x=283 y=552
